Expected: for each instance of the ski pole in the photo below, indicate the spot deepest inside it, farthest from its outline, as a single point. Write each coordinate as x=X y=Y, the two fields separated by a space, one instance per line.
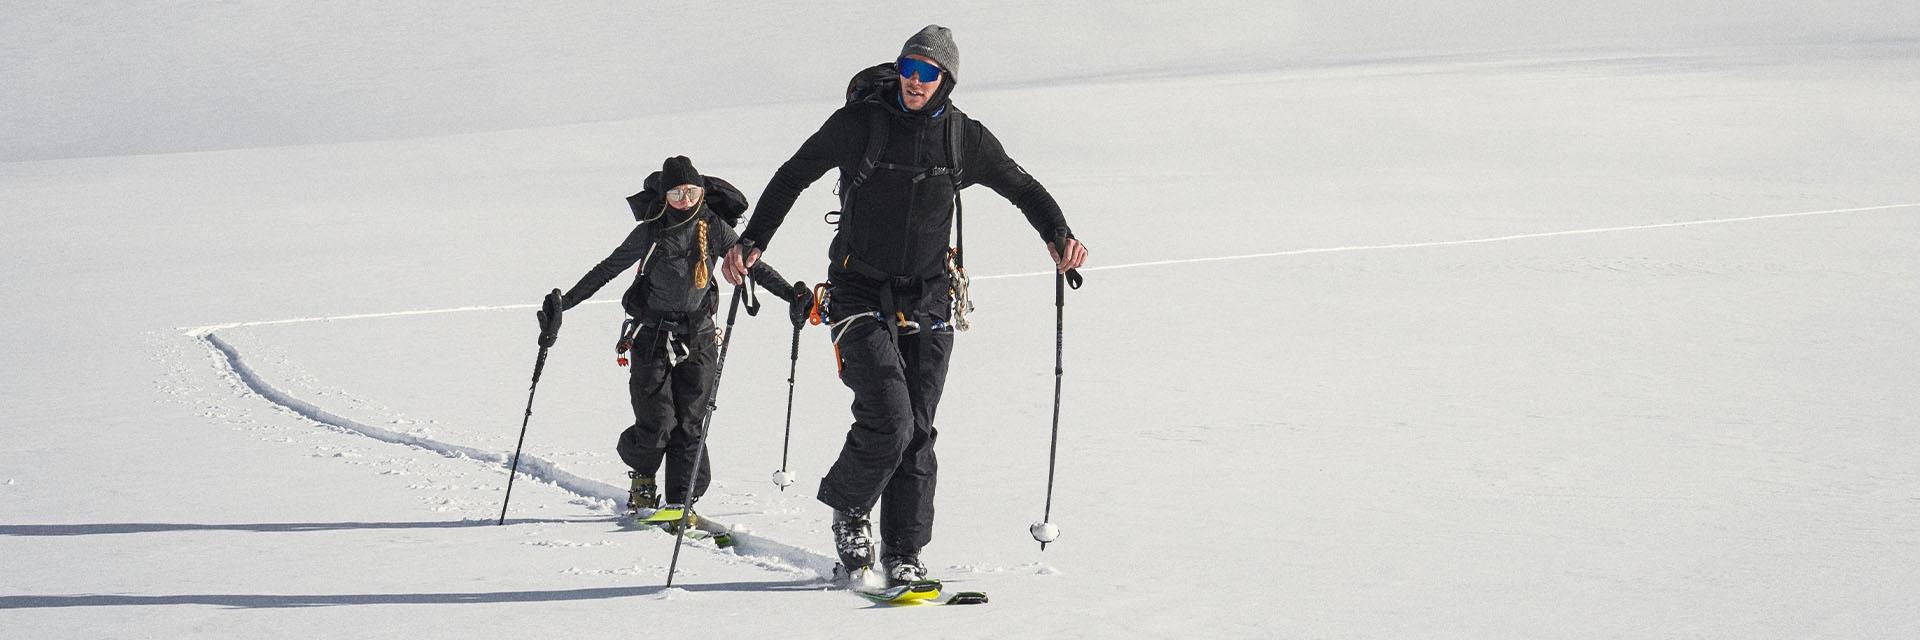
x=538 y=364
x=700 y=452
x=1044 y=530
x=550 y=309
x=783 y=477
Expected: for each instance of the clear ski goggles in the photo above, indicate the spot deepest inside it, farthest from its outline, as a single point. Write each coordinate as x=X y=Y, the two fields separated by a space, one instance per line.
x=912 y=67
x=685 y=193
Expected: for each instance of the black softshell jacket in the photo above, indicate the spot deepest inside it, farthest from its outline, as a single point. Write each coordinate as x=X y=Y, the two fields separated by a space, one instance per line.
x=667 y=249
x=894 y=225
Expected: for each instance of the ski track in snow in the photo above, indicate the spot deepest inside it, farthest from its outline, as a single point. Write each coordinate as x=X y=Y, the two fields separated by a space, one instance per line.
x=770 y=554
x=762 y=552
x=208 y=330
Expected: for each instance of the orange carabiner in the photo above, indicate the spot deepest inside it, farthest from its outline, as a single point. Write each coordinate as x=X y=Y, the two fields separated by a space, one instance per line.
x=819 y=297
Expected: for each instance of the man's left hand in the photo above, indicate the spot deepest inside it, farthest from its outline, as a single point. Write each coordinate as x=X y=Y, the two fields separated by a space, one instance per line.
x=1076 y=255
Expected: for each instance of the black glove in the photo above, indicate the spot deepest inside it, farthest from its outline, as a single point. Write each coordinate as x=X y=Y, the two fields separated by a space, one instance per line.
x=801 y=304
x=549 y=316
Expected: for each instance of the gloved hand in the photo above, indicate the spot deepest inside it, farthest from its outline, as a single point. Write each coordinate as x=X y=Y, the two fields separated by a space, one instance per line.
x=801 y=305
x=549 y=316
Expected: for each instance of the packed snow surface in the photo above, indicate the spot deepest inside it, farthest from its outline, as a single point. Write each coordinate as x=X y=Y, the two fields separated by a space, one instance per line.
x=1461 y=319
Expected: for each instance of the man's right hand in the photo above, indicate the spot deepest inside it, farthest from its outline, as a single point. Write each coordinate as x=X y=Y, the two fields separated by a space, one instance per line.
x=737 y=262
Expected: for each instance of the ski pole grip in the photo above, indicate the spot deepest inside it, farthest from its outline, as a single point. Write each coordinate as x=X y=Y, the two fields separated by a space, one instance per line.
x=1074 y=280
x=549 y=315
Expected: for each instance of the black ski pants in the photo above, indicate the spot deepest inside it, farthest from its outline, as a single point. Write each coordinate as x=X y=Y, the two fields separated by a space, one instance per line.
x=669 y=405
x=897 y=378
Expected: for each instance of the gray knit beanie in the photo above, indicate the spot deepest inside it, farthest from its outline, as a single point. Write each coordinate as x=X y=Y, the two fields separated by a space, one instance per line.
x=935 y=42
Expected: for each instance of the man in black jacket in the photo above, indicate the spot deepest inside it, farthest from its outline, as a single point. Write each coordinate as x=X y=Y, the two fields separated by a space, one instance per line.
x=685 y=220
x=890 y=300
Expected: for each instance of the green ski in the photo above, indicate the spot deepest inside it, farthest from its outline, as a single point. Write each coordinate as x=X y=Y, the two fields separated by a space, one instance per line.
x=917 y=592
x=668 y=519
x=914 y=592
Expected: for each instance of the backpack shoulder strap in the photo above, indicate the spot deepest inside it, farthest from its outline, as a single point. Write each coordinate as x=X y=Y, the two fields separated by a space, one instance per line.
x=956 y=154
x=870 y=158
x=956 y=145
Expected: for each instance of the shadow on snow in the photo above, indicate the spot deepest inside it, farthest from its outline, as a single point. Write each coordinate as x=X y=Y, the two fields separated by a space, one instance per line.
x=243 y=601
x=267 y=527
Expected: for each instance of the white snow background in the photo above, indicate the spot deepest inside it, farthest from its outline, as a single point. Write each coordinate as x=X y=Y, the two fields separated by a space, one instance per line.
x=1453 y=319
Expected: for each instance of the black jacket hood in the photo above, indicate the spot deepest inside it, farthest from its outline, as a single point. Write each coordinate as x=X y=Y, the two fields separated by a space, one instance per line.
x=889 y=95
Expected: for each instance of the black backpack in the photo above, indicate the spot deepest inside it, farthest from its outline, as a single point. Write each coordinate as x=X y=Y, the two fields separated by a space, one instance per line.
x=868 y=82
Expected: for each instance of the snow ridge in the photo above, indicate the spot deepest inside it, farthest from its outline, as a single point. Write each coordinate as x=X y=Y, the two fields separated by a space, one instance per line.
x=769 y=554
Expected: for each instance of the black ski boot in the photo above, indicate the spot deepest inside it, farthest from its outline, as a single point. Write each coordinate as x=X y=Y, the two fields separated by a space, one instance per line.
x=644 y=496
x=903 y=568
x=853 y=540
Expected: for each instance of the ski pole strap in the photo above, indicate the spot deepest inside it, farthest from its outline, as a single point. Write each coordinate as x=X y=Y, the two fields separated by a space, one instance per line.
x=1060 y=247
x=752 y=300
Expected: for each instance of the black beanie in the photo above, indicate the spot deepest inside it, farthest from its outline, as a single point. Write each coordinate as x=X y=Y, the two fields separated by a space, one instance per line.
x=677 y=171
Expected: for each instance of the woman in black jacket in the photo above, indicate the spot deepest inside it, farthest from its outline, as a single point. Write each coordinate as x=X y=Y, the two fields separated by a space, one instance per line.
x=685 y=222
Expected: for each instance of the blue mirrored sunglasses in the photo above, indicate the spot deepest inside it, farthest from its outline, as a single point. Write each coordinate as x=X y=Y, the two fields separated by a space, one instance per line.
x=910 y=67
